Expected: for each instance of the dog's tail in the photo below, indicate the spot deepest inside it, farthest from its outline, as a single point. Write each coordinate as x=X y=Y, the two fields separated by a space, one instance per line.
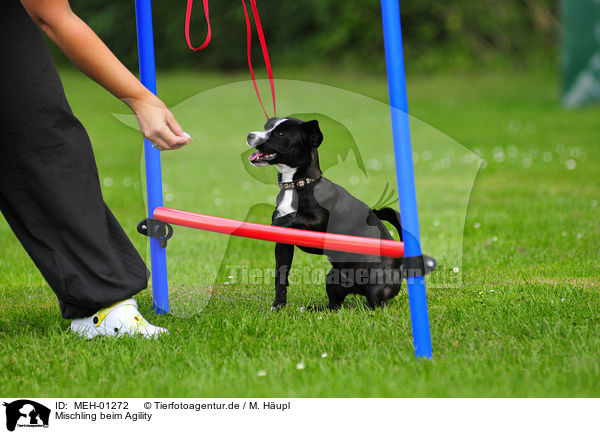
x=391 y=216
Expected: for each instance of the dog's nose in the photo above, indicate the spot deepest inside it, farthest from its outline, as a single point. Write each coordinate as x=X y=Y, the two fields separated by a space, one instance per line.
x=251 y=136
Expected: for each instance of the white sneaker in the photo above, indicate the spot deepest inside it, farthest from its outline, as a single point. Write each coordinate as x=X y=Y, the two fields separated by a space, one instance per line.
x=122 y=318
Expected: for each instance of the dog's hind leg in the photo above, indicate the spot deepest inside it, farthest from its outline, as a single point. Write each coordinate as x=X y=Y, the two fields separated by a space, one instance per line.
x=336 y=295
x=378 y=295
x=335 y=292
x=284 y=254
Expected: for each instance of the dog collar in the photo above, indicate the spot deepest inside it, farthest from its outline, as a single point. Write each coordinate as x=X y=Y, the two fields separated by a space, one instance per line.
x=298 y=183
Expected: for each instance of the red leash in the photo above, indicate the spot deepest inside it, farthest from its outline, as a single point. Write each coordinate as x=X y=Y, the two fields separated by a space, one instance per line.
x=261 y=38
x=188 y=15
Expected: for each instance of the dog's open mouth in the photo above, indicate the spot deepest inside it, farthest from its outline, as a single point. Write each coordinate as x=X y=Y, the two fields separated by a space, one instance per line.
x=260 y=158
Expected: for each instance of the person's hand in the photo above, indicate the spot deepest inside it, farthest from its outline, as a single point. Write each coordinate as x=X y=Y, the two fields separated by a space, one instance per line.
x=85 y=49
x=158 y=124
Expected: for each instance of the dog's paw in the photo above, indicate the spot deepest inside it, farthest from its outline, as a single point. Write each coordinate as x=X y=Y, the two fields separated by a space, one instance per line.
x=279 y=301
x=277 y=306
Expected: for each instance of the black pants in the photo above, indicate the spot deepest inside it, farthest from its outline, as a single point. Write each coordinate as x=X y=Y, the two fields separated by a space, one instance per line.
x=49 y=189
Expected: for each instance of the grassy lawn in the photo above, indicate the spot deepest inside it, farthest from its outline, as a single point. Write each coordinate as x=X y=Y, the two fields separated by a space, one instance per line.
x=523 y=318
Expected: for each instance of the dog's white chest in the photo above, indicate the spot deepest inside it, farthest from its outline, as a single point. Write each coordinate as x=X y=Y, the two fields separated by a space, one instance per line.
x=285 y=206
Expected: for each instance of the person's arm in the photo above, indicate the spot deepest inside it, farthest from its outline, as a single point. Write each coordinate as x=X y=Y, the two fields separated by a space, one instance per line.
x=85 y=49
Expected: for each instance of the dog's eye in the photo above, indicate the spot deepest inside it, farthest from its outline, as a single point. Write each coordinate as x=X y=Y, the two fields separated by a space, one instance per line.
x=280 y=134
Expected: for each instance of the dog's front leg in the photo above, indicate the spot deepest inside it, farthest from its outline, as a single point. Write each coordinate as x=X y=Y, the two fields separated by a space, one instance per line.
x=284 y=253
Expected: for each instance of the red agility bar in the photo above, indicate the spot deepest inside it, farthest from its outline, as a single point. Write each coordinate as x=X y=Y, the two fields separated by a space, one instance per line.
x=299 y=237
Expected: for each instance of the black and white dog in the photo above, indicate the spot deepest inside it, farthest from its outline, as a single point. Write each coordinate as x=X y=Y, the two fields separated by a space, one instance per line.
x=309 y=201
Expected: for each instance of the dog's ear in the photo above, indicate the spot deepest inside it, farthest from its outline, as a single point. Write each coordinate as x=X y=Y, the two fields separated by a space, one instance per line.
x=313 y=132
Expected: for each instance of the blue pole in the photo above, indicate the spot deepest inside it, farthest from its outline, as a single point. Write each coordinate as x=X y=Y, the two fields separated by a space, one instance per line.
x=417 y=298
x=158 y=255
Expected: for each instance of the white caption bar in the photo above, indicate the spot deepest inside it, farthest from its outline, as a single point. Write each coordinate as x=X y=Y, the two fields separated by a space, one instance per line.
x=57 y=415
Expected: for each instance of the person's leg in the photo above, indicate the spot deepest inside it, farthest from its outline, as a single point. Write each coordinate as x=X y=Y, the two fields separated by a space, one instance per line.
x=87 y=260
x=49 y=188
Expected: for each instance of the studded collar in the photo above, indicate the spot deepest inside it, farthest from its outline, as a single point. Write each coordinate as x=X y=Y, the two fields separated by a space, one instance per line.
x=298 y=184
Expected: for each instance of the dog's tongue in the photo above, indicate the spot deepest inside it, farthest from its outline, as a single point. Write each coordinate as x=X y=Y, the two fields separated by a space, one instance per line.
x=254 y=156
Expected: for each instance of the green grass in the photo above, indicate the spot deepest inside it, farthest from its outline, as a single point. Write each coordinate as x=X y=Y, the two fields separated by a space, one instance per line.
x=522 y=320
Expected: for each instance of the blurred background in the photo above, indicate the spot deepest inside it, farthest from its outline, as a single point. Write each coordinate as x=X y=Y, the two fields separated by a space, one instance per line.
x=438 y=35
x=455 y=35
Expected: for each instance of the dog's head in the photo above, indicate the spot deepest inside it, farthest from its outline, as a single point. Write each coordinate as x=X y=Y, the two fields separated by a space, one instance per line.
x=286 y=141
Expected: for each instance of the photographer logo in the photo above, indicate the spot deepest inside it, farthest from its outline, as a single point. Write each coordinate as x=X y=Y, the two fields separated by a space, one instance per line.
x=25 y=413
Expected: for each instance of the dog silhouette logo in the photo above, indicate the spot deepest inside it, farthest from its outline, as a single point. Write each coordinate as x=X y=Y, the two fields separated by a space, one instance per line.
x=26 y=413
